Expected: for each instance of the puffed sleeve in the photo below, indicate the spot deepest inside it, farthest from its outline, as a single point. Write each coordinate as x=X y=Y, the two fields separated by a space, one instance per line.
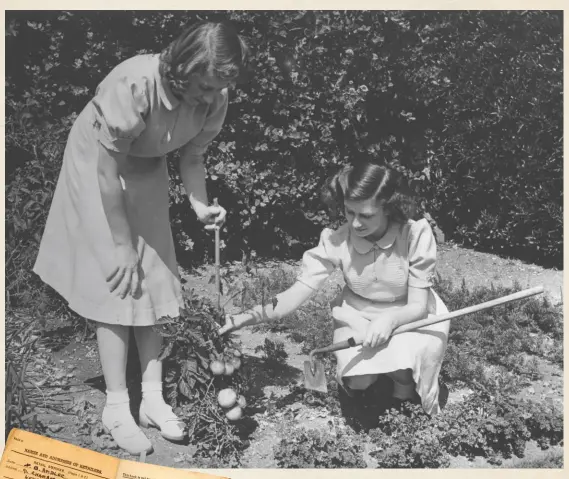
x=422 y=254
x=120 y=108
x=319 y=262
x=214 y=122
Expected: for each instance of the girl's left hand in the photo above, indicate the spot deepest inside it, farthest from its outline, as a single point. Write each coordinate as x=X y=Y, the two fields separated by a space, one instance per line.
x=378 y=332
x=235 y=322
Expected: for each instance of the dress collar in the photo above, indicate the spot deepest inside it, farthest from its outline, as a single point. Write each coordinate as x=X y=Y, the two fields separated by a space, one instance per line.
x=363 y=245
x=166 y=95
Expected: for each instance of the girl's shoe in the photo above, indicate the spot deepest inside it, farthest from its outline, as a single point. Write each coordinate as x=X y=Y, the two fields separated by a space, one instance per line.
x=158 y=414
x=119 y=423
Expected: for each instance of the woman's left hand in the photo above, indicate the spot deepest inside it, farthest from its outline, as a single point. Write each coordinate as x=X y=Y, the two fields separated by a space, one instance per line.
x=378 y=332
x=211 y=216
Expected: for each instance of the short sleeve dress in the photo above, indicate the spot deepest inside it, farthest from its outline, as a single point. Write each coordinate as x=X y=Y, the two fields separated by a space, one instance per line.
x=377 y=276
x=133 y=112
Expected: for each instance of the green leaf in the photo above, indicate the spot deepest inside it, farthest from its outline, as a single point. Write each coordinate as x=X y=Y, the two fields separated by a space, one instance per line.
x=166 y=351
x=203 y=359
x=185 y=388
x=189 y=366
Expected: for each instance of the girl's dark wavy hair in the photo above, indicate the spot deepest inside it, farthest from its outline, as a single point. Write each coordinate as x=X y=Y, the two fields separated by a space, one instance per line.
x=206 y=47
x=365 y=181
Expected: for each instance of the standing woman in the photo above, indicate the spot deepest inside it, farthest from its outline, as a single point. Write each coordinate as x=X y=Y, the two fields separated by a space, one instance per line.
x=107 y=247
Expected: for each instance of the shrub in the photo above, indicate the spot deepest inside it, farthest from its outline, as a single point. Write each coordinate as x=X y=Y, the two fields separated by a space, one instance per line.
x=502 y=142
x=407 y=442
x=308 y=448
x=191 y=345
x=274 y=352
x=33 y=157
x=492 y=426
x=545 y=424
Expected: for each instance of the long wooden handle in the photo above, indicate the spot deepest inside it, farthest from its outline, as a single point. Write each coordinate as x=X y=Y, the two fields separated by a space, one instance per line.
x=471 y=309
x=351 y=342
x=348 y=343
x=217 y=261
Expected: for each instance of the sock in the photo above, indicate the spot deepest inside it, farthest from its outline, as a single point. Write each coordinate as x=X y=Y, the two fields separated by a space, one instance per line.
x=118 y=421
x=117 y=399
x=117 y=408
x=159 y=411
x=403 y=391
x=152 y=390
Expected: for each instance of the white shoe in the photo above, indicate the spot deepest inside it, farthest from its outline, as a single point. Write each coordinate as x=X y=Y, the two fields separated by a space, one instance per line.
x=124 y=430
x=160 y=415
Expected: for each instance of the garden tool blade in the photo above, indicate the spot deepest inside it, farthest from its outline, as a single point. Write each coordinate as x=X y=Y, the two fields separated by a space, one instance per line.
x=315 y=376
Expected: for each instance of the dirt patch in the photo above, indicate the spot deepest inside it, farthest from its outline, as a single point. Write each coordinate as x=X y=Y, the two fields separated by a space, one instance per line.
x=483 y=269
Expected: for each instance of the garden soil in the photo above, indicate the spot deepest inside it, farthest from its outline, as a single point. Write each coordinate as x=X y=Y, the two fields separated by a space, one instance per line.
x=76 y=362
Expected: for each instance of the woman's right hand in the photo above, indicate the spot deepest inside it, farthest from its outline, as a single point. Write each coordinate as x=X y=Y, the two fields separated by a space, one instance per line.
x=125 y=278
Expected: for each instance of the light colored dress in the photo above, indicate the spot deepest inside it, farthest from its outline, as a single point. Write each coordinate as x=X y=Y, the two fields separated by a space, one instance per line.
x=377 y=276
x=134 y=112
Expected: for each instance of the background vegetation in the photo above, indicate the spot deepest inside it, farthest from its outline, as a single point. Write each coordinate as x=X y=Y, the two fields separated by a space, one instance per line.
x=468 y=105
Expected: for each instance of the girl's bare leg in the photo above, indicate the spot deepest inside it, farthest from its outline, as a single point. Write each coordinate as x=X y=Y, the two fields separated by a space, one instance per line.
x=153 y=410
x=403 y=384
x=113 y=347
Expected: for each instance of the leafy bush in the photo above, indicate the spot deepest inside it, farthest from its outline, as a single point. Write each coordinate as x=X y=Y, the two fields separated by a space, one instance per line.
x=494 y=427
x=497 y=147
x=274 y=352
x=191 y=346
x=485 y=425
x=545 y=424
x=308 y=448
x=28 y=198
x=407 y=442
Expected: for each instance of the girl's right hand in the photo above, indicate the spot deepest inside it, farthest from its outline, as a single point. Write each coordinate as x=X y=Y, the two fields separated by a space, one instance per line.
x=238 y=321
x=125 y=278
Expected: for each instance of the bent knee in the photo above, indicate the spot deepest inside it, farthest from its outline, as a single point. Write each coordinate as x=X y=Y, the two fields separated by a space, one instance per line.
x=402 y=376
x=360 y=382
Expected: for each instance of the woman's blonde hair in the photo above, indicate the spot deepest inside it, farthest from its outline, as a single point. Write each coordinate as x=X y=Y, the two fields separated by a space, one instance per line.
x=366 y=181
x=205 y=48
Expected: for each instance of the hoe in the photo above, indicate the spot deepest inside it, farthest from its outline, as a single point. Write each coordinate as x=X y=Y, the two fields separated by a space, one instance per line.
x=315 y=377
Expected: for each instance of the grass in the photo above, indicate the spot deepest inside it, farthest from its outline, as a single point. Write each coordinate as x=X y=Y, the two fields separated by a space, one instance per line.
x=552 y=460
